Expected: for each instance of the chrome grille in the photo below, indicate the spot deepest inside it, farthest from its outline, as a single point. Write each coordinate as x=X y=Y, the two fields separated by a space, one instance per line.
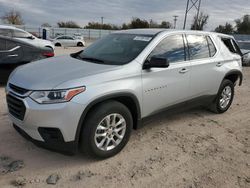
x=18 y=90
x=16 y=107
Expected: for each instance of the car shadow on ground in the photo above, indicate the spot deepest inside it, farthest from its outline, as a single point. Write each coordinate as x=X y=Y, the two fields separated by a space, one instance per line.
x=5 y=71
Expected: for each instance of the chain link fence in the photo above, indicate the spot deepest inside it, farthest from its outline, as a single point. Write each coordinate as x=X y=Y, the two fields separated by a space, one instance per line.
x=54 y=32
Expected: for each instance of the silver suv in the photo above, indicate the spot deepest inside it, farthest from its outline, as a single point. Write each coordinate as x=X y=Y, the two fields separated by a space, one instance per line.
x=91 y=100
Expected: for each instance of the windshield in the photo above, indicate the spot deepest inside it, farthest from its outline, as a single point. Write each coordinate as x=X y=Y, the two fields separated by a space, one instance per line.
x=115 y=49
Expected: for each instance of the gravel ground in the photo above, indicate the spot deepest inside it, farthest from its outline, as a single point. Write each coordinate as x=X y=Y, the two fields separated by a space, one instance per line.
x=190 y=149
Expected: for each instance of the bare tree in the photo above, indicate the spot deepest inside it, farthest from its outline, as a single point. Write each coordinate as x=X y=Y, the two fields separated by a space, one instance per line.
x=13 y=17
x=45 y=25
x=68 y=24
x=200 y=22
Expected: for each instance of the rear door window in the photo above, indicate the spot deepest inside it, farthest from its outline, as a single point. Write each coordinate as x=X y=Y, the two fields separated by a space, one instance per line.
x=21 y=34
x=6 y=32
x=198 y=47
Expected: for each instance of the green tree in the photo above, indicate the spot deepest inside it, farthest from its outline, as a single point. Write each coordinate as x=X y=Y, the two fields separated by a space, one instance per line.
x=13 y=17
x=243 y=25
x=200 y=22
x=96 y=25
x=68 y=24
x=165 y=24
x=227 y=29
x=138 y=23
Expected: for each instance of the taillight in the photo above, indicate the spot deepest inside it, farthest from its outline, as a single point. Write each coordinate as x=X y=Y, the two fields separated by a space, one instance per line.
x=48 y=54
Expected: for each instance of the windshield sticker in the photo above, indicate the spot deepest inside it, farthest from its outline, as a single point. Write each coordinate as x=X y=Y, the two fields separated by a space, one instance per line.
x=142 y=38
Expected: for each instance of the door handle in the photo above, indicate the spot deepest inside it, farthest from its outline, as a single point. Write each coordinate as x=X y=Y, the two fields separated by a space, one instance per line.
x=13 y=55
x=219 y=64
x=183 y=71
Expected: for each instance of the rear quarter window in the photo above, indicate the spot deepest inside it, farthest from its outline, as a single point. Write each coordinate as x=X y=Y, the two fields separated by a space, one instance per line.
x=231 y=45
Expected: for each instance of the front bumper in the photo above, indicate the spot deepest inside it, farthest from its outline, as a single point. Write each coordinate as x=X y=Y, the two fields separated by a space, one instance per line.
x=68 y=148
x=52 y=126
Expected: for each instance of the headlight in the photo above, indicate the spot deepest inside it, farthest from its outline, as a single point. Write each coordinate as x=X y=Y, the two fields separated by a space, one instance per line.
x=55 y=96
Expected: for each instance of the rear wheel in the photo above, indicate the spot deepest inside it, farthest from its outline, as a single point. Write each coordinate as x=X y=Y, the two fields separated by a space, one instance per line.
x=224 y=97
x=79 y=44
x=106 y=130
x=58 y=44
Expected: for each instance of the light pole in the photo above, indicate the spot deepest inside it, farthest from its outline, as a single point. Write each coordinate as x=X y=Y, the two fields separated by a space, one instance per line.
x=102 y=20
x=175 y=20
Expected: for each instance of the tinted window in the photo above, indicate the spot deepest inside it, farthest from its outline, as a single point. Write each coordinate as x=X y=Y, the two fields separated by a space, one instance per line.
x=21 y=34
x=61 y=38
x=198 y=47
x=231 y=45
x=211 y=46
x=69 y=38
x=2 y=45
x=171 y=48
x=116 y=49
x=6 y=32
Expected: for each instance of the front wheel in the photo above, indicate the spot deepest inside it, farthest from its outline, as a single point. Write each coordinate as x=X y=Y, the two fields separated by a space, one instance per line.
x=106 y=130
x=224 y=97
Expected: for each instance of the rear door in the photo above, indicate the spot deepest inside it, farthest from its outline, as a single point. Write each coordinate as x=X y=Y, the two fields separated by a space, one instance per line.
x=69 y=41
x=11 y=52
x=205 y=67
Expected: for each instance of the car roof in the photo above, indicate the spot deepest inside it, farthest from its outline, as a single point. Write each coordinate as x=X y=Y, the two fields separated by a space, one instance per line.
x=65 y=36
x=155 y=31
x=7 y=27
x=11 y=27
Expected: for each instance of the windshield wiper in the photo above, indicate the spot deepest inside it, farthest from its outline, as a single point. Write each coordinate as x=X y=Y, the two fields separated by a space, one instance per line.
x=92 y=59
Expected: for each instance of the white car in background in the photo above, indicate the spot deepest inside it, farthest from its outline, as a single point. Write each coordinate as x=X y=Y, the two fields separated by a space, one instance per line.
x=66 y=40
x=16 y=33
x=78 y=36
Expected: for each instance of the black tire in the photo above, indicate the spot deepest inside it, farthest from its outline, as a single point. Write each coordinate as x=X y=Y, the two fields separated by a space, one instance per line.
x=79 y=44
x=58 y=44
x=215 y=106
x=94 y=117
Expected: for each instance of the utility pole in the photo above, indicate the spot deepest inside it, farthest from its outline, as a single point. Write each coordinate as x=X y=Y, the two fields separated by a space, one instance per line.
x=102 y=22
x=192 y=4
x=175 y=20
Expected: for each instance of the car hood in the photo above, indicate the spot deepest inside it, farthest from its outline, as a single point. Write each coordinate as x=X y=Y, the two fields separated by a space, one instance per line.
x=48 y=73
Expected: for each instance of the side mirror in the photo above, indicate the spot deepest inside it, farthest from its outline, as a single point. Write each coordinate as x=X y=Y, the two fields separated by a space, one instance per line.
x=31 y=37
x=157 y=62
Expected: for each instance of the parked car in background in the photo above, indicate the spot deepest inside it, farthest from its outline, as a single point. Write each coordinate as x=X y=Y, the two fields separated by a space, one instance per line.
x=245 y=49
x=14 y=53
x=93 y=99
x=25 y=36
x=66 y=40
x=78 y=36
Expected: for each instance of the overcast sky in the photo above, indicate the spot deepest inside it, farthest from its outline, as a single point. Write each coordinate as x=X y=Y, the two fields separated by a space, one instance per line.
x=36 y=12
